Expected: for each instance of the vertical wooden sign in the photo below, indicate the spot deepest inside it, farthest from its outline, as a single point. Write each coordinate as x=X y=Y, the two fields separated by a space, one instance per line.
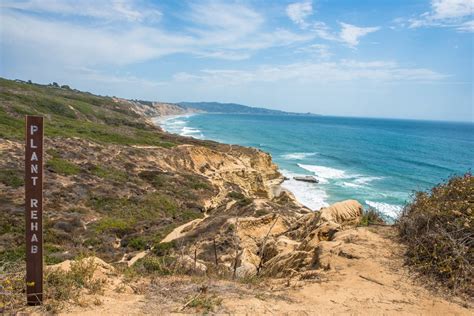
x=34 y=209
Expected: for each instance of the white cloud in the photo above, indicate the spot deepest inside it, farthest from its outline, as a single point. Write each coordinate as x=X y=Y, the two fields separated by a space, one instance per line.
x=299 y=11
x=86 y=45
x=103 y=9
x=233 y=18
x=466 y=26
x=448 y=9
x=319 y=51
x=217 y=30
x=311 y=72
x=446 y=13
x=350 y=34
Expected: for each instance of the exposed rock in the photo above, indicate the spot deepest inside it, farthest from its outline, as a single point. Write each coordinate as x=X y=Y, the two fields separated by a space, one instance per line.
x=188 y=265
x=344 y=213
x=309 y=179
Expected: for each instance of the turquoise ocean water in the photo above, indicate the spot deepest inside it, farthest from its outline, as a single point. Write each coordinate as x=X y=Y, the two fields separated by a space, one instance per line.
x=378 y=162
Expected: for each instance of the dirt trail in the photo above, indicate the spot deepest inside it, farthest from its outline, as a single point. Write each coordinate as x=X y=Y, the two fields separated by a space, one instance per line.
x=180 y=231
x=365 y=276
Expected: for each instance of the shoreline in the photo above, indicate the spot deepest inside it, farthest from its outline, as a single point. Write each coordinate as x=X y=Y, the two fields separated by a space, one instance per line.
x=276 y=188
x=336 y=182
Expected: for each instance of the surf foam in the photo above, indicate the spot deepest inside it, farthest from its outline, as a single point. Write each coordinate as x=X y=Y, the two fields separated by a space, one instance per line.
x=323 y=174
x=297 y=156
x=390 y=210
x=306 y=193
x=178 y=125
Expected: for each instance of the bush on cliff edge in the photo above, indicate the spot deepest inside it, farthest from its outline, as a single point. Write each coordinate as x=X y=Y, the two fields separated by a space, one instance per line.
x=438 y=229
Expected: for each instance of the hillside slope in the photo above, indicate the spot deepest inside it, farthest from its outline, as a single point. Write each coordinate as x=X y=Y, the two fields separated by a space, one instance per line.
x=115 y=183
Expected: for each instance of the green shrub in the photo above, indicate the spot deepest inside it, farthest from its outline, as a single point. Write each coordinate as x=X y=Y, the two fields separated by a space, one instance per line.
x=62 y=166
x=63 y=286
x=147 y=207
x=235 y=195
x=109 y=173
x=155 y=265
x=12 y=255
x=438 y=229
x=241 y=199
x=12 y=178
x=53 y=153
x=137 y=243
x=114 y=225
x=205 y=303
x=163 y=249
x=371 y=217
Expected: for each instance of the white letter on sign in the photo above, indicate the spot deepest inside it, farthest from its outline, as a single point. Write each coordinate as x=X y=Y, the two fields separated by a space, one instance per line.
x=34 y=203
x=33 y=129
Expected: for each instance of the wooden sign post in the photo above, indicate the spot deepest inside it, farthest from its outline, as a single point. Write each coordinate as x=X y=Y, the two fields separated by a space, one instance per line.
x=34 y=209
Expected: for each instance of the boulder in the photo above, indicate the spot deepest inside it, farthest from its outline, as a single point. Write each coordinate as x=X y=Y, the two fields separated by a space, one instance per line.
x=345 y=213
x=309 y=179
x=188 y=265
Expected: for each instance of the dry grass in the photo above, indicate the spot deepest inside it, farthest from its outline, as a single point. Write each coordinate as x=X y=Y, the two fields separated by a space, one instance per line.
x=60 y=287
x=438 y=229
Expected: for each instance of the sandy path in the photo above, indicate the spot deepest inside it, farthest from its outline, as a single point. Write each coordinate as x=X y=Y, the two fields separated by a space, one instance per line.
x=367 y=277
x=181 y=230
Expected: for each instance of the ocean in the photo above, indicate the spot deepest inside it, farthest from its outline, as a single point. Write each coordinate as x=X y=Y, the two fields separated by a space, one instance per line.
x=379 y=162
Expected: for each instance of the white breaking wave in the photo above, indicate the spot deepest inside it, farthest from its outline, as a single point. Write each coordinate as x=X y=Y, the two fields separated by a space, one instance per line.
x=177 y=122
x=177 y=125
x=360 y=182
x=365 y=180
x=297 y=156
x=309 y=194
x=387 y=209
x=351 y=185
x=323 y=174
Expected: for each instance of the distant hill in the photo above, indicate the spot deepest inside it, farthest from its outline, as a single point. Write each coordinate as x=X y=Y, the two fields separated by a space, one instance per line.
x=216 y=107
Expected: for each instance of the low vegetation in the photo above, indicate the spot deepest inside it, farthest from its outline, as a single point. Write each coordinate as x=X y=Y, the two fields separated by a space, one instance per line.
x=12 y=177
x=437 y=228
x=371 y=216
x=71 y=113
x=60 y=287
x=62 y=166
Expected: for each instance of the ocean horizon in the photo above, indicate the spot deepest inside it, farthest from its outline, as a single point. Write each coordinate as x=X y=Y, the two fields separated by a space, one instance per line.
x=379 y=162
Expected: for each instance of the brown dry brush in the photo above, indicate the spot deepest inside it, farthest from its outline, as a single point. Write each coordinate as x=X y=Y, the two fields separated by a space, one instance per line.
x=60 y=287
x=438 y=229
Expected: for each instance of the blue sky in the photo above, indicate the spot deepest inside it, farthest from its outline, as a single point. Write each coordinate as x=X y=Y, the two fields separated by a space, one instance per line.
x=400 y=58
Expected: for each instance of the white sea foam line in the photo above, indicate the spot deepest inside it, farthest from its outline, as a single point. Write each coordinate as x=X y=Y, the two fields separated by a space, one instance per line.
x=323 y=174
x=297 y=156
x=387 y=209
x=351 y=185
x=177 y=124
x=307 y=193
x=360 y=182
x=365 y=180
